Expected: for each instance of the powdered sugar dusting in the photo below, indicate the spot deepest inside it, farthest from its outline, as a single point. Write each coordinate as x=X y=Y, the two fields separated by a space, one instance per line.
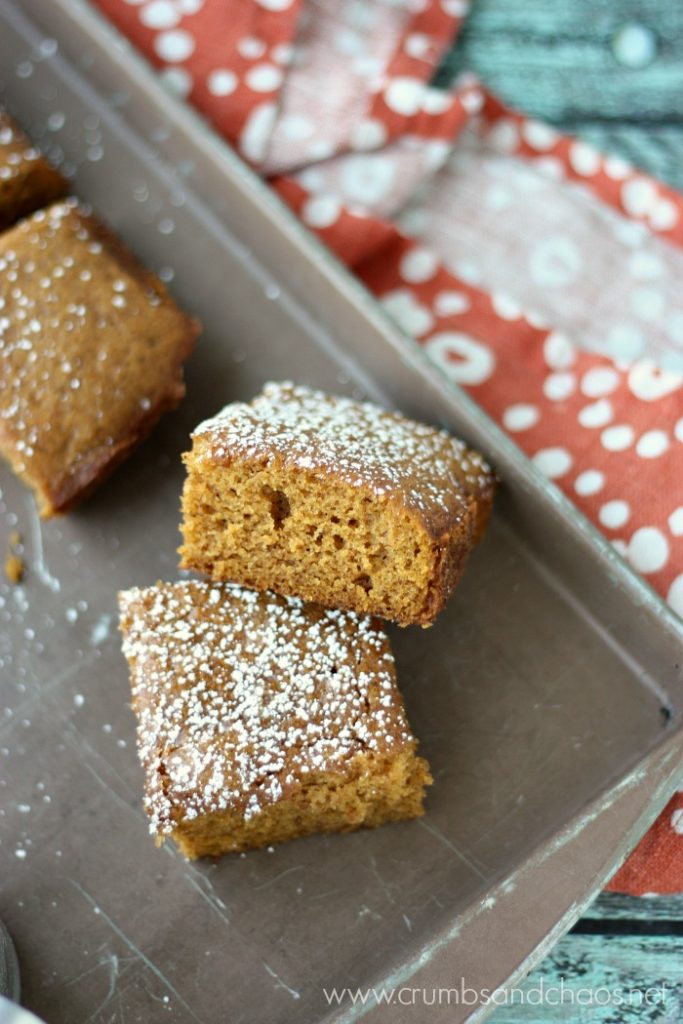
x=241 y=695
x=361 y=443
x=77 y=325
x=17 y=155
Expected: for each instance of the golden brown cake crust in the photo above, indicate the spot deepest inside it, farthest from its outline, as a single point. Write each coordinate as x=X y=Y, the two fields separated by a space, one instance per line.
x=27 y=181
x=261 y=718
x=337 y=501
x=91 y=352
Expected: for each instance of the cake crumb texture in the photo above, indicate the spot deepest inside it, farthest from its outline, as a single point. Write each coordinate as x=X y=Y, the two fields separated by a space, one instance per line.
x=262 y=718
x=91 y=352
x=27 y=181
x=335 y=501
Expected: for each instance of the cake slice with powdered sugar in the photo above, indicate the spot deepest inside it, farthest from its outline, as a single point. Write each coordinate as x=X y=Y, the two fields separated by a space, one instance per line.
x=261 y=718
x=27 y=180
x=91 y=352
x=335 y=501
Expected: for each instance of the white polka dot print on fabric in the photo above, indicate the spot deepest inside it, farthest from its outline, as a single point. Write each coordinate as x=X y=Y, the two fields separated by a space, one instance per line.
x=664 y=215
x=559 y=386
x=160 y=14
x=472 y=101
x=438 y=101
x=601 y=380
x=464 y=358
x=251 y=48
x=553 y=462
x=559 y=352
x=275 y=5
x=402 y=306
x=283 y=54
x=645 y=266
x=174 y=46
x=504 y=136
x=451 y=303
x=591 y=481
x=625 y=342
x=296 y=127
x=584 y=159
x=638 y=196
x=616 y=168
x=676 y=522
x=257 y=132
x=505 y=307
x=264 y=78
x=418 y=265
x=417 y=45
x=178 y=81
x=349 y=43
x=614 y=514
x=319 y=149
x=368 y=178
x=222 y=82
x=675 y=595
x=649 y=383
x=617 y=438
x=520 y=417
x=499 y=198
x=652 y=444
x=674 y=327
x=456 y=8
x=647 y=303
x=550 y=167
x=648 y=550
x=538 y=135
x=469 y=271
x=555 y=262
x=404 y=95
x=597 y=414
x=368 y=134
x=321 y=211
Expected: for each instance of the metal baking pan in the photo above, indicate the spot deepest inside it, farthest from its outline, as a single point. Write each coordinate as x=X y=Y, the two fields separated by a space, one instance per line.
x=547 y=697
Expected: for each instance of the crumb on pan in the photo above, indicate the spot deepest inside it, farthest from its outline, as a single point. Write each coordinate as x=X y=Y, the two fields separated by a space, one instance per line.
x=14 y=563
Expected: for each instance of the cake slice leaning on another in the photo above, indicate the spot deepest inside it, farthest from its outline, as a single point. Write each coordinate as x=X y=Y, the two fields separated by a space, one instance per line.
x=261 y=718
x=335 y=501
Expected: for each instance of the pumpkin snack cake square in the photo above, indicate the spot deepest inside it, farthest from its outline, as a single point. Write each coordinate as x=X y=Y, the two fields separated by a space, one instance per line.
x=261 y=718
x=335 y=501
x=91 y=352
x=27 y=181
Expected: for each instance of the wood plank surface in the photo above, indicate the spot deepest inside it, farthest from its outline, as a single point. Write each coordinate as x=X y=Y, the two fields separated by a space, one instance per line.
x=623 y=962
x=559 y=60
x=645 y=910
x=598 y=979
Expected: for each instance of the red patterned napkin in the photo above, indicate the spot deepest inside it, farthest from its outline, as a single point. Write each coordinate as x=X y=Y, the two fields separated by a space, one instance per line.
x=540 y=274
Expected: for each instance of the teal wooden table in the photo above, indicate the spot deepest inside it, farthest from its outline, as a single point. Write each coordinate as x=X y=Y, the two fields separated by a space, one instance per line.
x=612 y=72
